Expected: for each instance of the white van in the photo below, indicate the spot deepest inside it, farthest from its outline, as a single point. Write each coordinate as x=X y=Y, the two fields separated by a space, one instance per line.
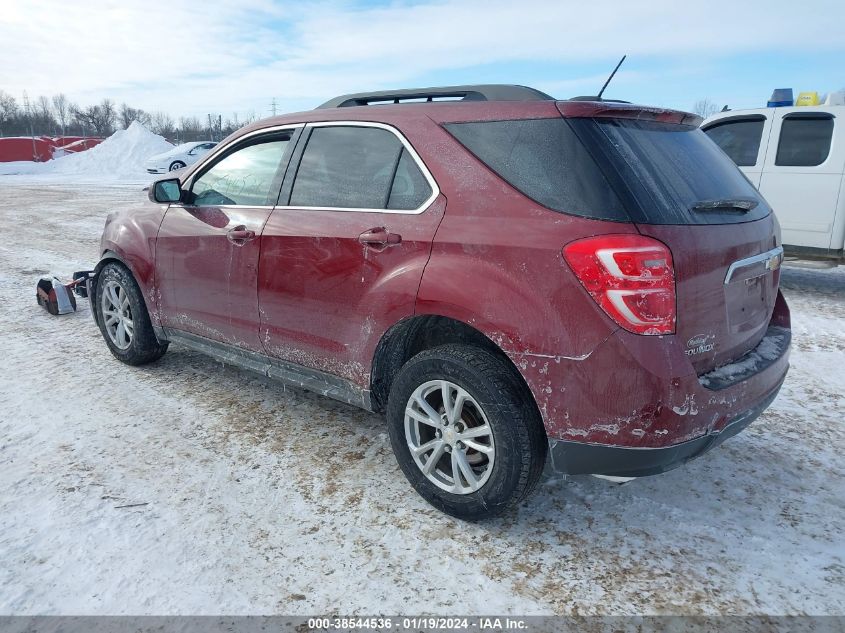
x=795 y=156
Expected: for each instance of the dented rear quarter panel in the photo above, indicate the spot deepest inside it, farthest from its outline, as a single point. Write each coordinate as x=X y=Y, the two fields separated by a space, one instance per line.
x=497 y=263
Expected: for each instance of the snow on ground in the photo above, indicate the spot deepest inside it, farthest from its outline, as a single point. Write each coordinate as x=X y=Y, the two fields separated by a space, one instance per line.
x=265 y=500
x=120 y=158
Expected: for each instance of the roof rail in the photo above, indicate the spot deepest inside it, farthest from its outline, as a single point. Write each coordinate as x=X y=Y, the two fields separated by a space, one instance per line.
x=482 y=92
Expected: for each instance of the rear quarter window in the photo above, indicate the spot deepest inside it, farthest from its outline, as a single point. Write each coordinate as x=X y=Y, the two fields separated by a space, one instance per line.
x=545 y=160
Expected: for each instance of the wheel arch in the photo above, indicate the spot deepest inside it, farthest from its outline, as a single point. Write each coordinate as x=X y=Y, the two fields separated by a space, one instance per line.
x=110 y=257
x=418 y=333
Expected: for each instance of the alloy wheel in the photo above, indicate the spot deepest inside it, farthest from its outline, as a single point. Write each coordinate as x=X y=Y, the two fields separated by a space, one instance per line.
x=117 y=314
x=449 y=437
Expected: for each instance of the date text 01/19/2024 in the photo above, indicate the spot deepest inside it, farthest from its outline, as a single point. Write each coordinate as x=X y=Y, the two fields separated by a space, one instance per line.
x=413 y=623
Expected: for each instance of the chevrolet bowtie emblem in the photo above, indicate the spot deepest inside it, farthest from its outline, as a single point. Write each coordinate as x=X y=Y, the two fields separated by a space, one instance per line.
x=773 y=263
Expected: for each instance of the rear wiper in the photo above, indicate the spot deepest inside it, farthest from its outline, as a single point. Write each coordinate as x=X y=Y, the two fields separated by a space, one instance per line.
x=736 y=204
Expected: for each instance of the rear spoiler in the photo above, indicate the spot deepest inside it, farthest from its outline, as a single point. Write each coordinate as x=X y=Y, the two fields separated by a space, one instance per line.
x=616 y=110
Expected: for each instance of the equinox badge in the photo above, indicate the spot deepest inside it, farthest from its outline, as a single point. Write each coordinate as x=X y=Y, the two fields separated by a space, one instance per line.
x=699 y=344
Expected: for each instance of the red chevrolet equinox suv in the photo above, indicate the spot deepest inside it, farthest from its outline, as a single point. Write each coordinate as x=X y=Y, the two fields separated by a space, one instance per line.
x=510 y=278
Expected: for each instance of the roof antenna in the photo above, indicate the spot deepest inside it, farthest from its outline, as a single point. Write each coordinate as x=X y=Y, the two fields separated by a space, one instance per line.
x=601 y=92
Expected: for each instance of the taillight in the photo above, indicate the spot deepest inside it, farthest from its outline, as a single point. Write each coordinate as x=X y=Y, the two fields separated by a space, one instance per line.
x=631 y=277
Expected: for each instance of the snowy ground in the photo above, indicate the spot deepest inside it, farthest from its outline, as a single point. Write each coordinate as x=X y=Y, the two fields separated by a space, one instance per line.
x=259 y=501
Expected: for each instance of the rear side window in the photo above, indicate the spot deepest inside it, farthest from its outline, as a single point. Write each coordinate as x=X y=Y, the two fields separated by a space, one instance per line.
x=804 y=140
x=739 y=138
x=671 y=173
x=357 y=168
x=545 y=160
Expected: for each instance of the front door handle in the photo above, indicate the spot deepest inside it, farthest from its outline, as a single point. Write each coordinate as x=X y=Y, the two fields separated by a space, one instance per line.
x=379 y=238
x=240 y=235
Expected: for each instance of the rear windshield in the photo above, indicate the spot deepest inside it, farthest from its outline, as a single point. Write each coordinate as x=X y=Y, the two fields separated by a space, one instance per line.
x=615 y=169
x=671 y=174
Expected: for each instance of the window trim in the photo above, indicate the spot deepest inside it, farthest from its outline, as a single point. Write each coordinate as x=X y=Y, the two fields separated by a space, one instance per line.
x=812 y=115
x=205 y=163
x=435 y=190
x=734 y=119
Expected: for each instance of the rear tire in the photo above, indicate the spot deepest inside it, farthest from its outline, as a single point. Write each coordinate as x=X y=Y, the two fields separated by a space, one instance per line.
x=495 y=439
x=123 y=318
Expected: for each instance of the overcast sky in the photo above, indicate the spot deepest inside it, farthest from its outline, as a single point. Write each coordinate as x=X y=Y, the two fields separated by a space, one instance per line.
x=192 y=57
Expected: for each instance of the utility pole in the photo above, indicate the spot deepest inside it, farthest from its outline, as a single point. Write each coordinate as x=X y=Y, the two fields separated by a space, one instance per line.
x=273 y=106
x=31 y=131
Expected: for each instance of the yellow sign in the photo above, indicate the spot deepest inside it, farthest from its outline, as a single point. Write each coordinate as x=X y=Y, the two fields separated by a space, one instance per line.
x=807 y=99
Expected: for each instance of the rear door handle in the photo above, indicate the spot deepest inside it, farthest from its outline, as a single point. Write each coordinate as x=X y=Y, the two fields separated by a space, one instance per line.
x=379 y=238
x=240 y=235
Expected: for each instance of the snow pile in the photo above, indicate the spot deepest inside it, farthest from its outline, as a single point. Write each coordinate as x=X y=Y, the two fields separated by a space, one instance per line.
x=120 y=157
x=768 y=350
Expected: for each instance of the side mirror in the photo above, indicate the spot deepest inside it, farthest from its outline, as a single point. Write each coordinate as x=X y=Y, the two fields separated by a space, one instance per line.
x=166 y=191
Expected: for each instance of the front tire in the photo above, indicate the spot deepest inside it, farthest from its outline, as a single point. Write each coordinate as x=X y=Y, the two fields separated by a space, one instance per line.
x=465 y=431
x=176 y=164
x=123 y=318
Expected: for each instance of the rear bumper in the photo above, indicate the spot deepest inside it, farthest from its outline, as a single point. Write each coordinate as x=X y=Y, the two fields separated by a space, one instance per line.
x=577 y=458
x=636 y=406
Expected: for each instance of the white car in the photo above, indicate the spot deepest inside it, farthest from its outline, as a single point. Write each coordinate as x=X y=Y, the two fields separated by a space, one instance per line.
x=179 y=157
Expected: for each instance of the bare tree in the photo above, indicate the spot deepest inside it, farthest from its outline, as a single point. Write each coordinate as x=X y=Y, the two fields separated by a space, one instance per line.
x=705 y=108
x=82 y=117
x=128 y=115
x=190 y=129
x=43 y=116
x=100 y=118
x=163 y=124
x=8 y=110
x=73 y=122
x=215 y=127
x=42 y=107
x=108 y=115
x=230 y=125
x=61 y=108
x=58 y=114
